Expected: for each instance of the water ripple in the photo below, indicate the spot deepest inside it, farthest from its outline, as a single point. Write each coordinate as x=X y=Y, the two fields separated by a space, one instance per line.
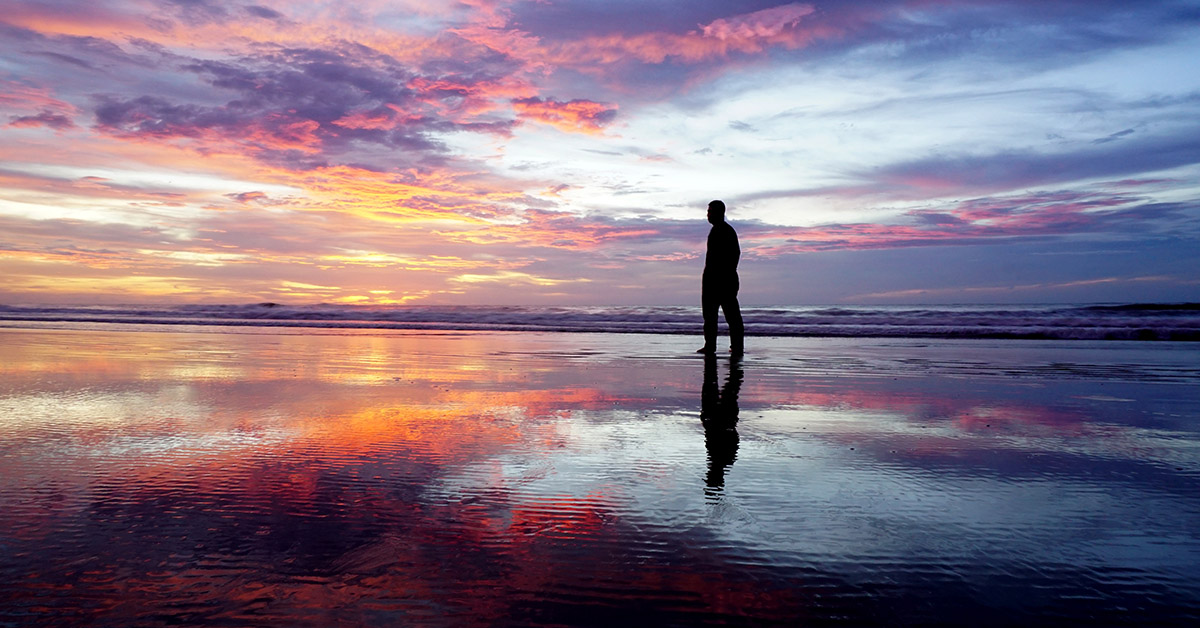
x=504 y=481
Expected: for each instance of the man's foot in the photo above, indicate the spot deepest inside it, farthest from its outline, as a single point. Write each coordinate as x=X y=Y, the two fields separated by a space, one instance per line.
x=706 y=350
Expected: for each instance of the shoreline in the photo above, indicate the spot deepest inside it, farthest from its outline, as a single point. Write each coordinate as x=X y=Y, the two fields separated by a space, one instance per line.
x=1129 y=322
x=1123 y=335
x=790 y=356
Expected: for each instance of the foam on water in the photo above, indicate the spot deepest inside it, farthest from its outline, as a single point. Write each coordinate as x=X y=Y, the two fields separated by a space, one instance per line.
x=1084 y=322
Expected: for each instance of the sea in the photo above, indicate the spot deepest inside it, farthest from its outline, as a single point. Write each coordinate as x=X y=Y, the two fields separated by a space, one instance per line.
x=1099 y=321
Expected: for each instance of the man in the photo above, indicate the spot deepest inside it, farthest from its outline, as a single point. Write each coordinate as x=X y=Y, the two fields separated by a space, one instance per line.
x=719 y=285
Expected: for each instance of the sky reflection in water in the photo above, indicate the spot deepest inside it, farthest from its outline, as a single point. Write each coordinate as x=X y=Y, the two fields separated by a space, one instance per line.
x=158 y=477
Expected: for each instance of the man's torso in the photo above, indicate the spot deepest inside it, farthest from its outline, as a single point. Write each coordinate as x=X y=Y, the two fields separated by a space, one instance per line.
x=723 y=251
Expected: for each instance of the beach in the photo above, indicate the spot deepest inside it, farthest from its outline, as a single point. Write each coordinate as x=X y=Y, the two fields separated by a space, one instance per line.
x=167 y=474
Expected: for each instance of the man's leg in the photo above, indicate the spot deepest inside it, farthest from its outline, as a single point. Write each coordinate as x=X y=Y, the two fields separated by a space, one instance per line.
x=709 y=304
x=737 y=331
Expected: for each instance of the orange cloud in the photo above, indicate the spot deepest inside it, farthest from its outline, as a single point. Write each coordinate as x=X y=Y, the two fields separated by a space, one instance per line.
x=375 y=120
x=83 y=20
x=579 y=115
x=279 y=133
x=559 y=230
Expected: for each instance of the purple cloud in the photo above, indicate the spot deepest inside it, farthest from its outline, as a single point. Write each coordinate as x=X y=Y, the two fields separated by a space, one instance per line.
x=1014 y=169
x=46 y=118
x=266 y=13
x=302 y=107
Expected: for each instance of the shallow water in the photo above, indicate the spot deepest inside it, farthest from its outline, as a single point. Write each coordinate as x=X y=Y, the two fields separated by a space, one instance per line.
x=291 y=478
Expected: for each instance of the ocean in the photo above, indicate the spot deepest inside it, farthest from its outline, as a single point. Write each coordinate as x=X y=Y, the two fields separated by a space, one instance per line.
x=1113 y=321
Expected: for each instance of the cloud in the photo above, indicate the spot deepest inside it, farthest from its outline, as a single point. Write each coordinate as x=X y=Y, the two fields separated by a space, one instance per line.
x=578 y=115
x=300 y=108
x=569 y=231
x=249 y=197
x=745 y=33
x=1009 y=169
x=45 y=118
x=197 y=12
x=764 y=24
x=392 y=146
x=1112 y=138
x=513 y=277
x=975 y=221
x=87 y=190
x=919 y=294
x=57 y=56
x=42 y=107
x=265 y=13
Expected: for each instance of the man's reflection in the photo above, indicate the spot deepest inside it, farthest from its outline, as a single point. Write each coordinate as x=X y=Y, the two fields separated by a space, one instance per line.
x=719 y=415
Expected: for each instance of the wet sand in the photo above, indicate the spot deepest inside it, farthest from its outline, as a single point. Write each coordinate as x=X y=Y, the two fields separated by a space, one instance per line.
x=234 y=477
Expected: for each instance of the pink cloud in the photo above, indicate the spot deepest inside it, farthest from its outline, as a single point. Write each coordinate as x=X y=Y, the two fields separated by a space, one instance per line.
x=746 y=33
x=89 y=187
x=35 y=107
x=82 y=18
x=764 y=24
x=376 y=119
x=579 y=115
x=280 y=132
x=999 y=218
x=15 y=95
x=468 y=99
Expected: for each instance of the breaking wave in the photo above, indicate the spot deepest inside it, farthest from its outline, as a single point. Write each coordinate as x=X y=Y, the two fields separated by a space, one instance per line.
x=1135 y=321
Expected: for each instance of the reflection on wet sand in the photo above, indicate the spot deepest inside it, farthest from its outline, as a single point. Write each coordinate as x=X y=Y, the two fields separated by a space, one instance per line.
x=719 y=416
x=152 y=478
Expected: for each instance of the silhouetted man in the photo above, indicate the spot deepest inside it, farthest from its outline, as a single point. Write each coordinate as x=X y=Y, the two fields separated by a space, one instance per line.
x=719 y=285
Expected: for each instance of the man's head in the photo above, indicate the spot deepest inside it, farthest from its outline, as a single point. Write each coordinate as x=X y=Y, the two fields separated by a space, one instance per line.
x=716 y=212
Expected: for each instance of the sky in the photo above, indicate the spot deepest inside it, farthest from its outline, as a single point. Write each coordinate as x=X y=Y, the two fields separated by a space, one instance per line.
x=563 y=152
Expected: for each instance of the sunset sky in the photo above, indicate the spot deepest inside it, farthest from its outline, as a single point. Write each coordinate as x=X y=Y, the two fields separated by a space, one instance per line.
x=563 y=152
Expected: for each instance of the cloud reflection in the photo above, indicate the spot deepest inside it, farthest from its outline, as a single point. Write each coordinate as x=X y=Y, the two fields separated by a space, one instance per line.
x=266 y=474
